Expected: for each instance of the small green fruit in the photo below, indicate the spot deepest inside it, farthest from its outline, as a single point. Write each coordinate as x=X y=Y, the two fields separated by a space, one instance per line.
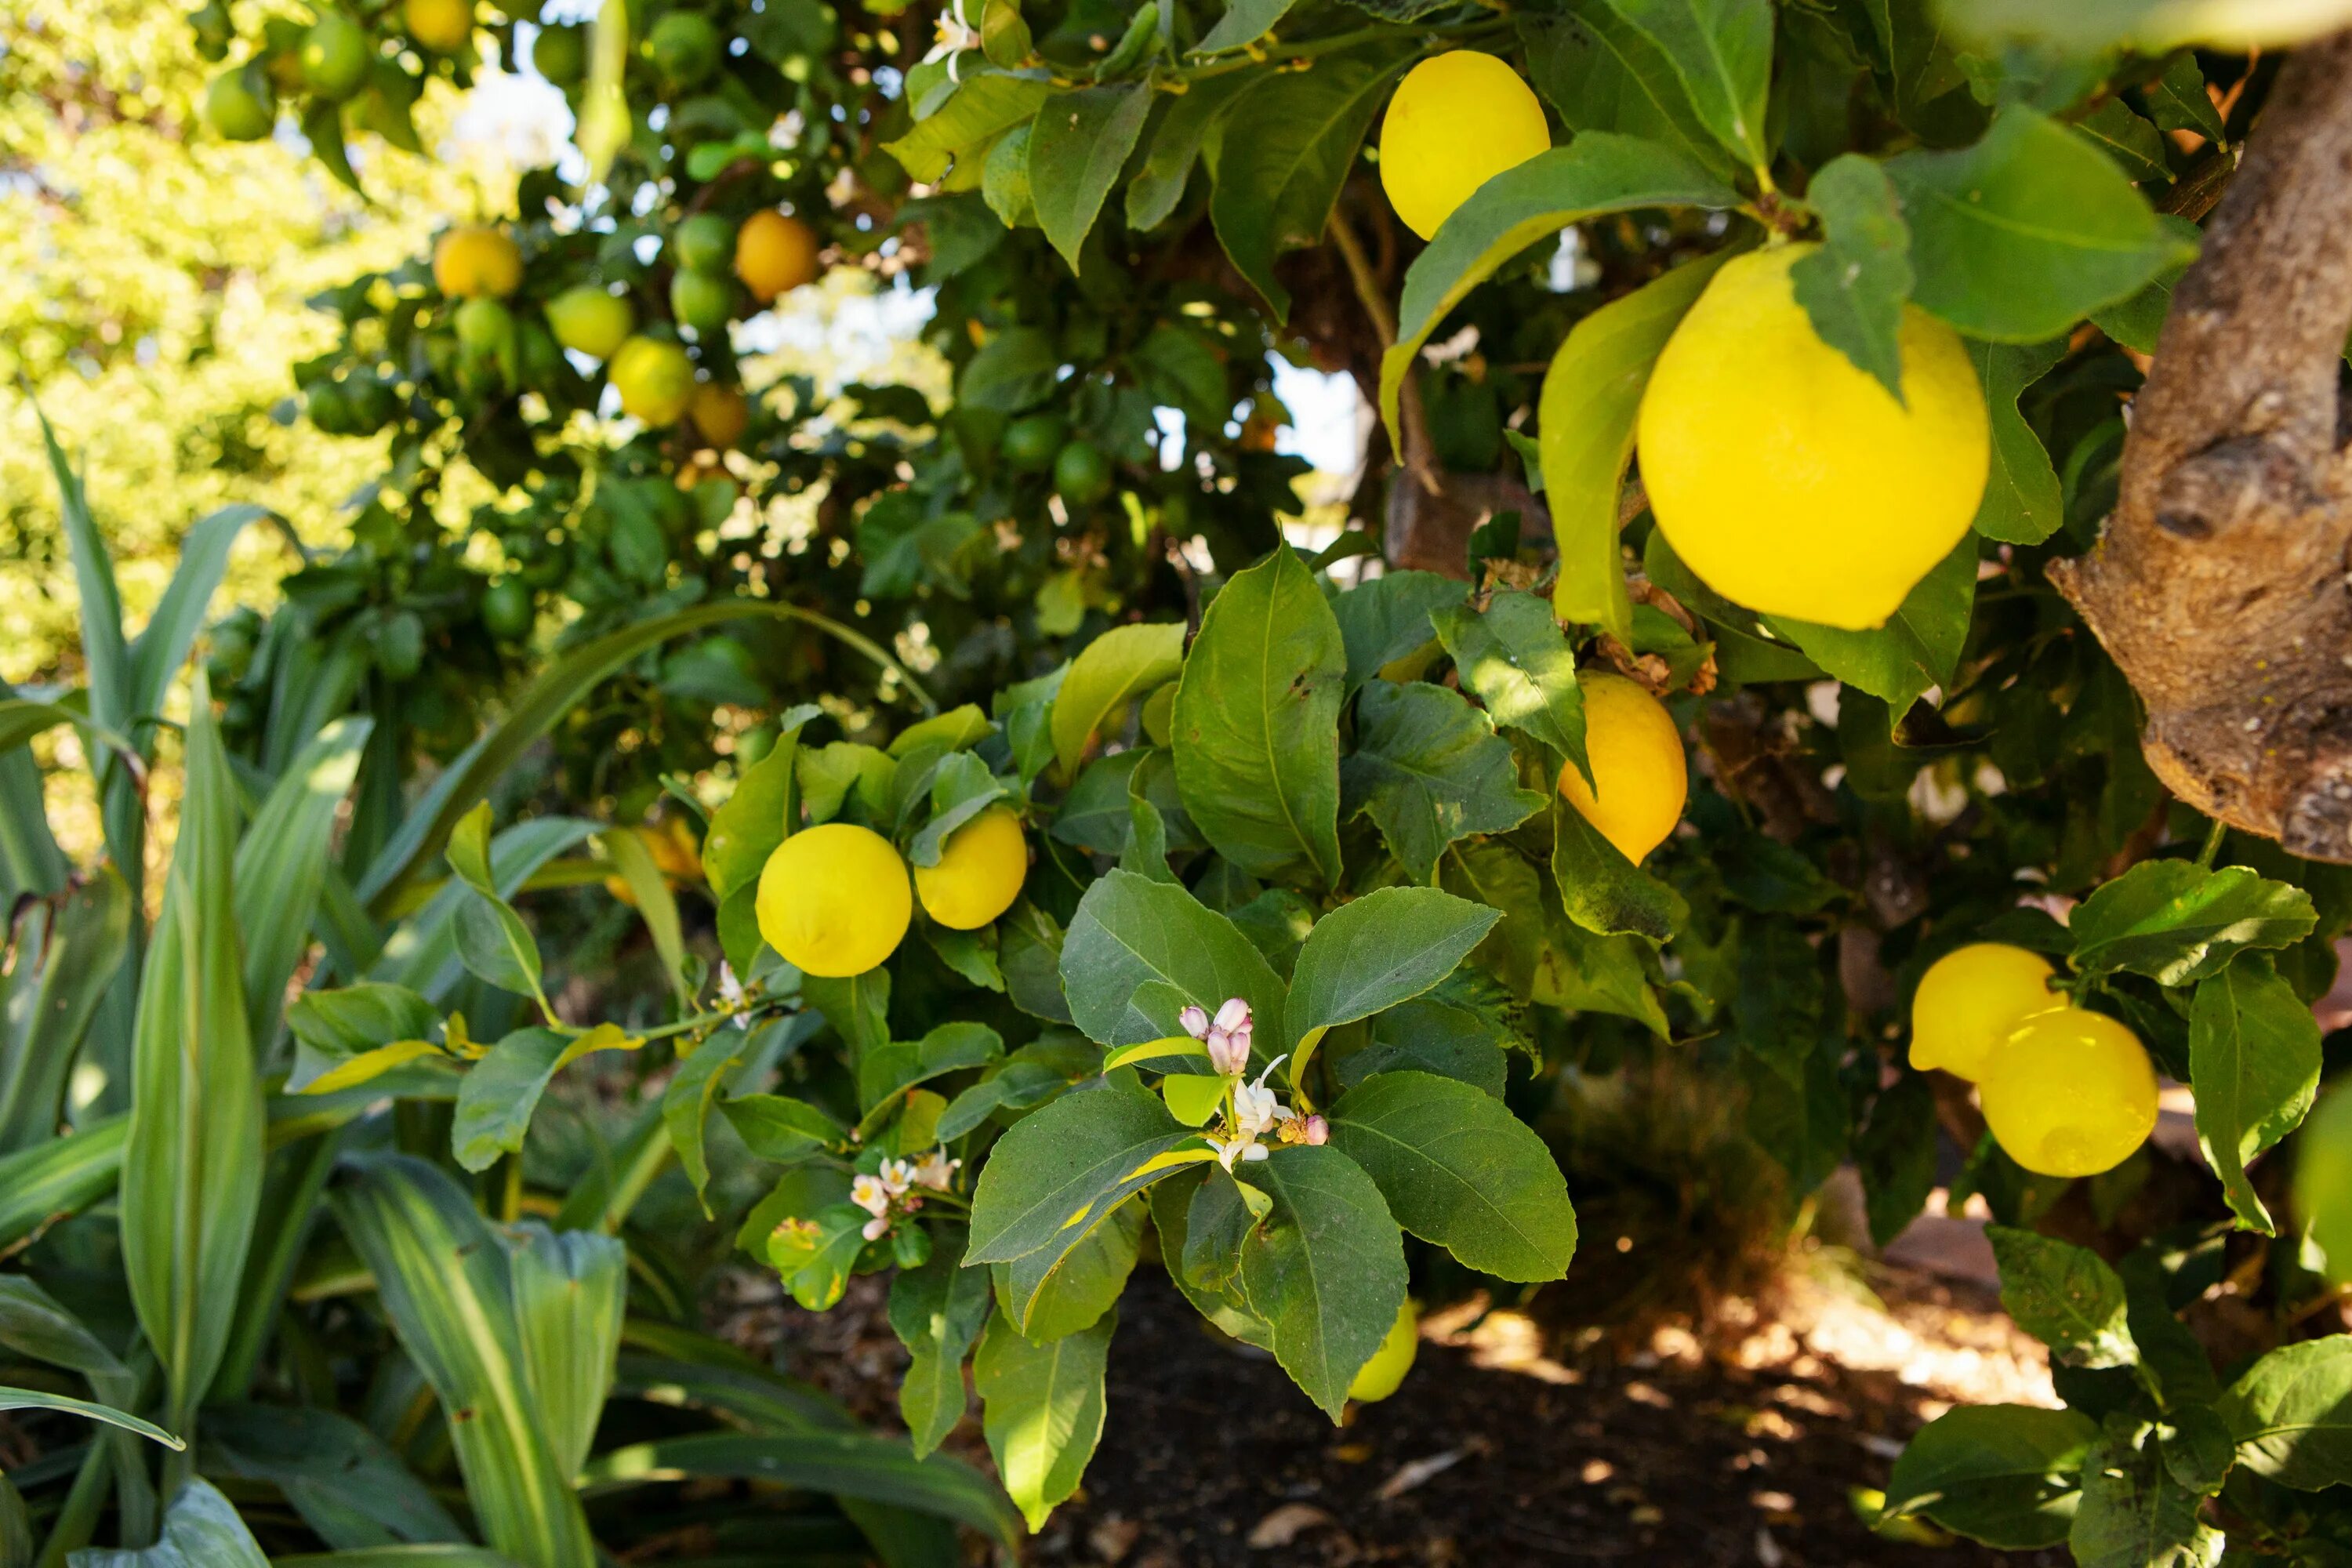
x=484 y=325
x=705 y=243
x=589 y=321
x=685 y=47
x=240 y=105
x=328 y=408
x=1082 y=474
x=701 y=301
x=506 y=609
x=335 y=56
x=1031 y=442
x=560 y=54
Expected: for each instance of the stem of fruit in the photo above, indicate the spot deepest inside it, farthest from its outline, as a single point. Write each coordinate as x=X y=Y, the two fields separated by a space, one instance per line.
x=2213 y=837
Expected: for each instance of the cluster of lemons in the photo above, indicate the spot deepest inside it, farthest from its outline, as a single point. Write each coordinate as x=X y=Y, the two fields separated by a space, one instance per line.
x=1789 y=480
x=772 y=252
x=2065 y=1091
x=834 y=900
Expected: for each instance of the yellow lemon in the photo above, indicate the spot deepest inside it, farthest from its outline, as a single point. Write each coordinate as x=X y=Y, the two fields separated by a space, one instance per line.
x=980 y=871
x=1456 y=122
x=775 y=254
x=1637 y=762
x=1791 y=481
x=1970 y=1000
x=655 y=379
x=834 y=900
x=721 y=413
x=2069 y=1093
x=476 y=264
x=444 y=26
x=1379 y=1377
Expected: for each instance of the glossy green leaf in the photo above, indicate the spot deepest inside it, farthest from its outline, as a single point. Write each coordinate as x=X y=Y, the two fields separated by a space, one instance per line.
x=937 y=1312
x=67 y=954
x=1060 y=1170
x=281 y=864
x=1853 y=288
x=1131 y=933
x=1375 y=952
x=1046 y=1297
x=1326 y=1270
x=500 y=1092
x=1177 y=144
x=1598 y=172
x=1122 y=666
x=2254 y=1061
x=2291 y=1413
x=2065 y=1295
x=2133 y=1513
x=1460 y=1170
x=1431 y=770
x=984 y=108
x=34 y=1399
x=2023 y=502
x=847 y=1463
x=2006 y=1475
x=1390 y=617
x=1601 y=890
x=570 y=1289
x=751 y=822
x=60 y=1176
x=1041 y=1409
x=1601 y=74
x=346 y=1482
x=2177 y=923
x=1077 y=145
x=1919 y=645
x=1513 y=657
x=1722 y=52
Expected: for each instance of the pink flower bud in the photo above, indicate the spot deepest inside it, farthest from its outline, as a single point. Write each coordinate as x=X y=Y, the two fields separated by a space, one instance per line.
x=1233 y=1015
x=1229 y=1054
x=1317 y=1131
x=1195 y=1022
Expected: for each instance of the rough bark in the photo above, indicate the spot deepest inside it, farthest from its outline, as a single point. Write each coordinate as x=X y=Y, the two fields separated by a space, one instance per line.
x=2219 y=585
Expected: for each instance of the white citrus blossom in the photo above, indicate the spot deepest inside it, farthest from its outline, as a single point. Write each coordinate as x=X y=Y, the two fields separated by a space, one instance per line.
x=1243 y=1147
x=936 y=1170
x=1255 y=1107
x=954 y=36
x=869 y=1193
x=731 y=993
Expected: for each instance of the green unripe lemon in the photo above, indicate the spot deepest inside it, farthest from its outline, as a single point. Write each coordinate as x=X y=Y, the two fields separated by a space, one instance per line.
x=484 y=325
x=240 y=106
x=335 y=56
x=834 y=900
x=698 y=301
x=1082 y=474
x=706 y=243
x=1379 y=1377
x=655 y=379
x=685 y=47
x=506 y=609
x=589 y=321
x=2323 y=1180
x=328 y=408
x=1031 y=442
x=560 y=54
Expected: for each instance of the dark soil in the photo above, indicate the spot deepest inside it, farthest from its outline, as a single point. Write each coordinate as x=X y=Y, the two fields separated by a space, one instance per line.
x=1681 y=1465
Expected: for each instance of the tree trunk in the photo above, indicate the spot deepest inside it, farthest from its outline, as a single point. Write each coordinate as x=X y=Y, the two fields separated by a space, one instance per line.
x=2219 y=585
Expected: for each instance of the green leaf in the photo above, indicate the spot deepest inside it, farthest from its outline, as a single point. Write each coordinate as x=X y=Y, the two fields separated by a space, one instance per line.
x=192 y=1161
x=1288 y=144
x=447 y=1285
x=1372 y=953
x=2005 y=1475
x=1722 y=51
x=937 y=1312
x=59 y=1176
x=1591 y=395
x=1390 y=619
x=1896 y=1156
x=1060 y=1170
x=1078 y=143
x=1598 y=172
x=845 y=1463
x=1326 y=1270
x=1433 y=1033
x=2177 y=923
x=884 y=1074
x=986 y=106
x=68 y=954
x=1192 y=124
x=2023 y=502
x=2180 y=102
x=334 y=1027
x=1431 y=770
x=1257 y=723
x=1244 y=22
x=1919 y=645
x=201 y=1530
x=1603 y=75
x=1047 y=1301
x=282 y=863
x=1601 y=890
x=1122 y=666
x=749 y=823
x=1854 y=286
x=2133 y=1513
x=2291 y=1413
x=781 y=1128
x=1460 y=1170
x=500 y=1092
x=346 y=1482
x=2065 y=1295
x=1513 y=657
x=2022 y=235
x=34 y=1399
x=2254 y=1061
x=569 y=1287
x=161 y=648
x=656 y=906
x=1042 y=1410
x=2132 y=142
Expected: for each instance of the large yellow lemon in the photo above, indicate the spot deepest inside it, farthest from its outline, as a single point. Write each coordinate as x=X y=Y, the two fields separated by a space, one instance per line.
x=655 y=379
x=476 y=264
x=980 y=871
x=1637 y=762
x=1379 y=1377
x=775 y=254
x=834 y=900
x=1970 y=1000
x=444 y=26
x=1792 y=482
x=1456 y=122
x=2069 y=1093
x=721 y=413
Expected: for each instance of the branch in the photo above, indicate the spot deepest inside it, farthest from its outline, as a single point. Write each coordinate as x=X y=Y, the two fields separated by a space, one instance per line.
x=2218 y=586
